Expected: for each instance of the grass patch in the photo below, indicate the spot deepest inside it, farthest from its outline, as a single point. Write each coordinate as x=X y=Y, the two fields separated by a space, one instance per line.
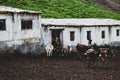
x=64 y=8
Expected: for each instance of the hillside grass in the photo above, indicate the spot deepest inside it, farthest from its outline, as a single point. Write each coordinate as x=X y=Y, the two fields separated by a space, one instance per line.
x=64 y=8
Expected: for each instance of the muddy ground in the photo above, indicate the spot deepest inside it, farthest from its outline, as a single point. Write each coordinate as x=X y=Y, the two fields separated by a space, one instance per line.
x=27 y=67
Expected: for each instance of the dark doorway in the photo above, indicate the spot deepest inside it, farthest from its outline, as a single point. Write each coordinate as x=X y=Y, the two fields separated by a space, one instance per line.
x=57 y=37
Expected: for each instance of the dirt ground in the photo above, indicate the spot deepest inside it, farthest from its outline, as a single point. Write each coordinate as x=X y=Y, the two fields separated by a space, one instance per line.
x=21 y=67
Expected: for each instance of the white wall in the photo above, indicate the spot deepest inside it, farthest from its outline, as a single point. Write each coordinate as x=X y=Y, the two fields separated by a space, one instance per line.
x=81 y=35
x=110 y=34
x=31 y=35
x=66 y=36
x=13 y=33
x=113 y=38
x=46 y=35
x=95 y=35
x=6 y=36
x=99 y=39
x=84 y=34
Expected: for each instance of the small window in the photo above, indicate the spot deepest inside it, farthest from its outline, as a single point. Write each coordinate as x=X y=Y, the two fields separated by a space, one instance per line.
x=72 y=35
x=26 y=24
x=88 y=35
x=103 y=34
x=117 y=32
x=2 y=24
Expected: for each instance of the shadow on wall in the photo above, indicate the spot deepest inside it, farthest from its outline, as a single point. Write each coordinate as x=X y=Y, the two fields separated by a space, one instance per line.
x=26 y=47
x=2 y=44
x=32 y=48
x=4 y=48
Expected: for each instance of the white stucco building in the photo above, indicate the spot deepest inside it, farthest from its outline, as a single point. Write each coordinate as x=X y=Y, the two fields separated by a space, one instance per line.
x=18 y=26
x=73 y=31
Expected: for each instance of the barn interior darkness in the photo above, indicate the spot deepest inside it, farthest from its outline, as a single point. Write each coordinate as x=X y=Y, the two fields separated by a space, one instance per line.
x=56 y=37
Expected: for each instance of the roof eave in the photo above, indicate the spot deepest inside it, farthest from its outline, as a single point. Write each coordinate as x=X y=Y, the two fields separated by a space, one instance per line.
x=79 y=25
x=4 y=12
